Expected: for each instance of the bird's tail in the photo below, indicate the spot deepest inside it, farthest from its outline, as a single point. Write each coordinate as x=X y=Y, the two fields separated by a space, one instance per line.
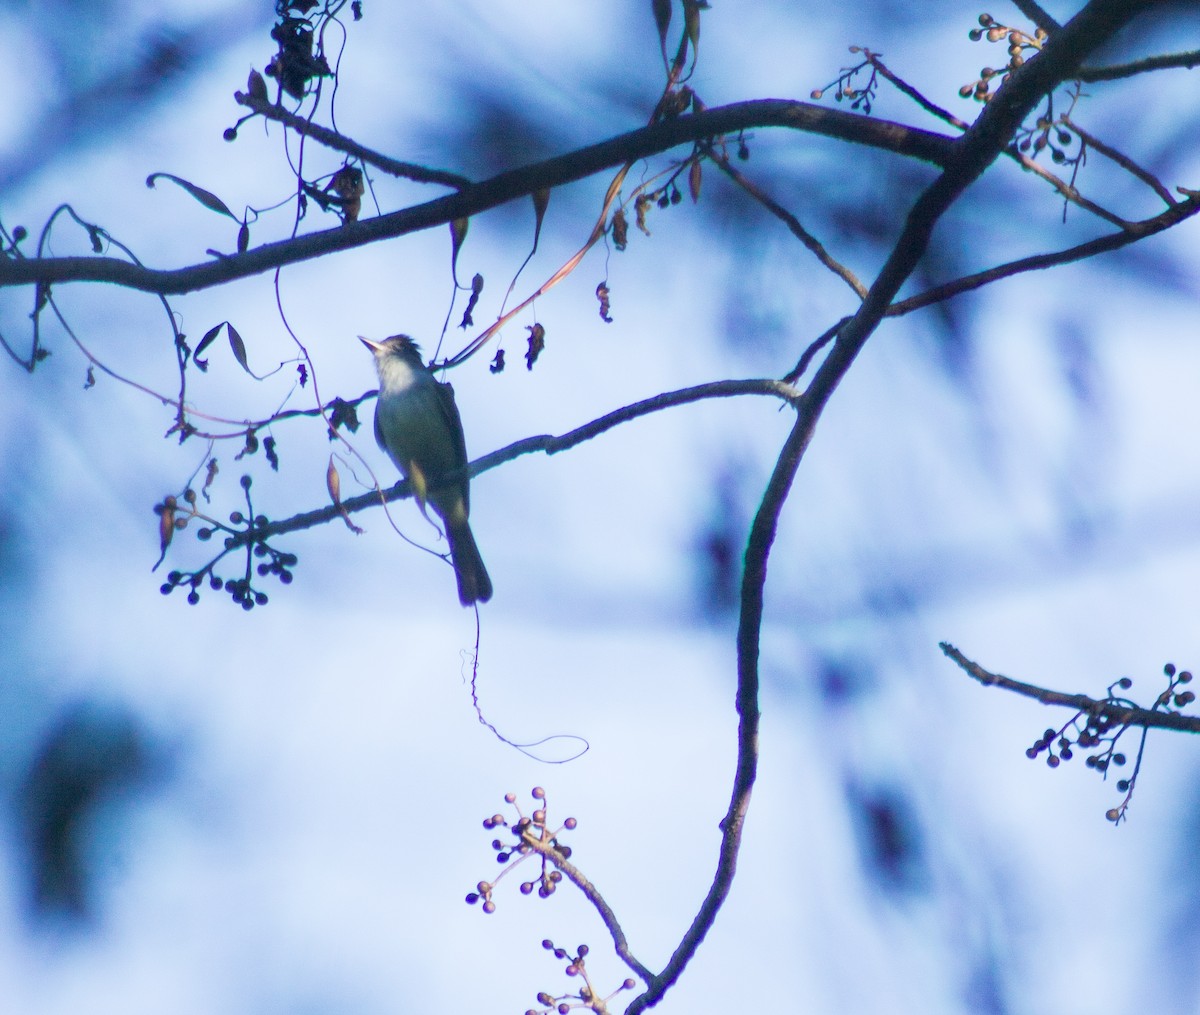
x=474 y=585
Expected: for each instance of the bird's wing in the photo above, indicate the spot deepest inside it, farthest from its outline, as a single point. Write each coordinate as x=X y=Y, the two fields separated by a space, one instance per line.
x=449 y=410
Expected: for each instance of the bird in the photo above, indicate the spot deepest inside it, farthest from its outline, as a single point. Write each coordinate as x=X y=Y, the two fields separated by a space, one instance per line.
x=418 y=425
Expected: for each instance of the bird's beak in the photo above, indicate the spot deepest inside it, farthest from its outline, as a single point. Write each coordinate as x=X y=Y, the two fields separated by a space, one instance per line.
x=373 y=346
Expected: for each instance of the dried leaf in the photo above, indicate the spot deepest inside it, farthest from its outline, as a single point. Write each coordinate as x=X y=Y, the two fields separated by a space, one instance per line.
x=602 y=296
x=458 y=233
x=541 y=200
x=662 y=21
x=476 y=289
x=206 y=198
x=239 y=349
x=640 y=207
x=257 y=87
x=205 y=342
x=251 y=446
x=333 y=483
x=620 y=229
x=694 y=180
x=269 y=451
x=537 y=342
x=497 y=364
x=166 y=523
x=209 y=476
x=342 y=413
x=243 y=241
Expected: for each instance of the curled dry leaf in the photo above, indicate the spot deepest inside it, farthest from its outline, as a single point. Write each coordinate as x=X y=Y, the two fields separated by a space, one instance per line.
x=602 y=296
x=537 y=342
x=620 y=229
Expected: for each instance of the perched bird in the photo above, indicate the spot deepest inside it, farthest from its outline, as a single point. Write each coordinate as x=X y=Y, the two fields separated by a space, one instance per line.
x=417 y=424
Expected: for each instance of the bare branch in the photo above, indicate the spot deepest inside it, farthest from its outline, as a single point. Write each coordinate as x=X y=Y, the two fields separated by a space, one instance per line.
x=793 y=223
x=754 y=577
x=1035 y=13
x=1117 y=714
x=577 y=878
x=1121 y=159
x=546 y=443
x=339 y=142
x=1114 y=241
x=654 y=139
x=1151 y=63
x=979 y=147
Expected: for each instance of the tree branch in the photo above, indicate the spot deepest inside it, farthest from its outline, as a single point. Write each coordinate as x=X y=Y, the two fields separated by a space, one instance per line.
x=1165 y=61
x=981 y=145
x=555 y=172
x=790 y=220
x=1113 y=241
x=1116 y=714
x=754 y=577
x=580 y=881
x=545 y=442
x=339 y=142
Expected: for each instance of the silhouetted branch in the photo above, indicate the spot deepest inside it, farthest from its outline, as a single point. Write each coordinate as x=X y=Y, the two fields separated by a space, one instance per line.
x=555 y=172
x=544 y=442
x=793 y=223
x=1116 y=714
x=1151 y=63
x=339 y=142
x=1114 y=241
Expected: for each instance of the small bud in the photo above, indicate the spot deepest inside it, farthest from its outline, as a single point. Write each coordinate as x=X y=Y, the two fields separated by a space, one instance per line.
x=538 y=793
x=489 y=906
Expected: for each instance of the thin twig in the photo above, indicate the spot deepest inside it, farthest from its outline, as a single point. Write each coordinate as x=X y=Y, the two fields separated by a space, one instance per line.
x=1114 y=241
x=1034 y=12
x=790 y=220
x=577 y=878
x=1166 y=61
x=1116 y=714
x=1064 y=188
x=1121 y=159
x=1067 y=190
x=508 y=186
x=339 y=142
